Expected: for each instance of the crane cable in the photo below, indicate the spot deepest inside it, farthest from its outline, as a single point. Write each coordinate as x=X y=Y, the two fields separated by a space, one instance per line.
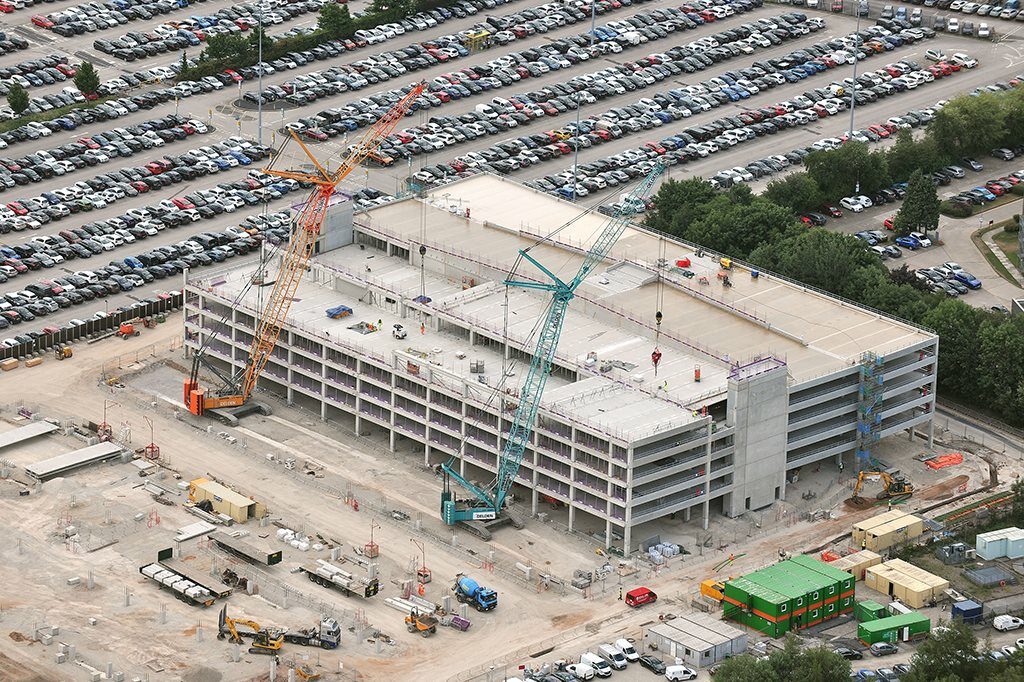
x=659 y=304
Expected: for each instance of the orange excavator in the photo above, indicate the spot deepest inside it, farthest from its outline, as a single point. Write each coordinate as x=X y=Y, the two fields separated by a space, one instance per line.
x=232 y=399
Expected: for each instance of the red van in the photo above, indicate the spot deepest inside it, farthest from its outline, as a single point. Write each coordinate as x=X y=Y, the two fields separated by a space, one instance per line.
x=640 y=596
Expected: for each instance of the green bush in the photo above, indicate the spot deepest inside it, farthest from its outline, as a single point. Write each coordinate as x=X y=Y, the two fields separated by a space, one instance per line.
x=1013 y=226
x=948 y=208
x=1018 y=190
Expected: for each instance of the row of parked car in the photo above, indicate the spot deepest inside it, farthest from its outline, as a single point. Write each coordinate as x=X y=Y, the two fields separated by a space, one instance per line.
x=993 y=189
x=503 y=114
x=181 y=34
x=10 y=43
x=381 y=67
x=690 y=144
x=105 y=189
x=46 y=70
x=602 y=661
x=95 y=149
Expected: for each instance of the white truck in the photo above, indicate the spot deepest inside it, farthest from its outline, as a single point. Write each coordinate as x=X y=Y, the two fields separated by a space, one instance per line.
x=1006 y=623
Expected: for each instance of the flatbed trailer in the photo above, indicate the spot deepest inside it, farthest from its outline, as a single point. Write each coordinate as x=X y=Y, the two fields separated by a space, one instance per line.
x=326 y=574
x=243 y=549
x=182 y=588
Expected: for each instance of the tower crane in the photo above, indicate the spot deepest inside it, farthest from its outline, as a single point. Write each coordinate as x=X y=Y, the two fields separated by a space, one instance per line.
x=238 y=387
x=485 y=504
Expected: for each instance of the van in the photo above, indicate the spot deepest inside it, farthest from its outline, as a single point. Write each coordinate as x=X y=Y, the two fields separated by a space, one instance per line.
x=613 y=656
x=600 y=666
x=627 y=649
x=581 y=670
x=487 y=110
x=640 y=596
x=612 y=128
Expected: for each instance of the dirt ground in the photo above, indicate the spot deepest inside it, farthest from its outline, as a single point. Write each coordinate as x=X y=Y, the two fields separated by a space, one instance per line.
x=120 y=527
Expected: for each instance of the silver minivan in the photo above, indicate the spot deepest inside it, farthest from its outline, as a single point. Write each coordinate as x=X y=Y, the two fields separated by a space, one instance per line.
x=613 y=656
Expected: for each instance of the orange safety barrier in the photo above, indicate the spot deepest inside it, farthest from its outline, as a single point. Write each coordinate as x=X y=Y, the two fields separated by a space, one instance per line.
x=944 y=461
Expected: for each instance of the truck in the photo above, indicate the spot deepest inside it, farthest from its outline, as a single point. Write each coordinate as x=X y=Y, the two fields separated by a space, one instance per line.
x=182 y=588
x=327 y=635
x=469 y=591
x=328 y=575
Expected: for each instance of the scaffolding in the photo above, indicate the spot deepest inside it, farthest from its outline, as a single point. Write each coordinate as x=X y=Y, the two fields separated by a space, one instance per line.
x=869 y=408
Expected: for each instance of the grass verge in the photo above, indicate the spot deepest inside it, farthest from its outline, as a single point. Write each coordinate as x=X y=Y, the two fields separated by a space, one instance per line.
x=978 y=238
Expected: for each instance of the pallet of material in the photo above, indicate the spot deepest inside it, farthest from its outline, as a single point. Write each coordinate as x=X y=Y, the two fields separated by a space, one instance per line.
x=215 y=587
x=9 y=364
x=32 y=362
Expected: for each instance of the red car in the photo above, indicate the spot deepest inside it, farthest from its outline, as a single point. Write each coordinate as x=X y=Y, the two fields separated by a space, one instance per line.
x=879 y=130
x=183 y=203
x=18 y=209
x=14 y=263
x=140 y=186
x=234 y=75
x=66 y=69
x=155 y=168
x=315 y=134
x=832 y=210
x=42 y=22
x=998 y=190
x=89 y=142
x=6 y=7
x=888 y=223
x=443 y=96
x=656 y=148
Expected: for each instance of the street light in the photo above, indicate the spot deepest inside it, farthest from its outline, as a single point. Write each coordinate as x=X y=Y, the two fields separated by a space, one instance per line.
x=259 y=98
x=576 y=155
x=862 y=8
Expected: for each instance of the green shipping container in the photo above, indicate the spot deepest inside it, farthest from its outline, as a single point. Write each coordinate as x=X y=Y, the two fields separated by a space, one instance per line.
x=869 y=610
x=844 y=579
x=902 y=628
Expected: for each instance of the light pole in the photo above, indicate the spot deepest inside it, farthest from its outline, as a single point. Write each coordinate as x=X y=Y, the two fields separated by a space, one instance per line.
x=259 y=98
x=862 y=6
x=576 y=155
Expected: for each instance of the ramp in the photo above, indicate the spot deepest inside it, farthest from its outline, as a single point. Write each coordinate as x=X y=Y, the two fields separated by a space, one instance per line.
x=66 y=463
x=23 y=433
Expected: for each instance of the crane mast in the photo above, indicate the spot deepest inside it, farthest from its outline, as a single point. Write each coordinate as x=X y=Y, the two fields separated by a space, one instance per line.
x=239 y=387
x=487 y=501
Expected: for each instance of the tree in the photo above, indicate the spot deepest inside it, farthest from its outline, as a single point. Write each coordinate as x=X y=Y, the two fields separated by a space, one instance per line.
x=822 y=665
x=1001 y=377
x=920 y=209
x=969 y=125
x=1013 y=116
x=949 y=652
x=827 y=260
x=744 y=669
x=817 y=664
x=228 y=46
x=797 y=191
x=17 y=97
x=850 y=169
x=87 y=80
x=678 y=203
x=734 y=228
x=908 y=155
x=257 y=36
x=335 y=21
x=957 y=325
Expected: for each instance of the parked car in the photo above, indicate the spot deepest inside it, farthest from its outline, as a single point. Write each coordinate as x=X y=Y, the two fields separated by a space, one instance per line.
x=886 y=649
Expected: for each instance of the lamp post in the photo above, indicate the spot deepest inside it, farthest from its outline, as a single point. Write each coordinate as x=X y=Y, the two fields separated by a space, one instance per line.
x=576 y=154
x=259 y=99
x=862 y=7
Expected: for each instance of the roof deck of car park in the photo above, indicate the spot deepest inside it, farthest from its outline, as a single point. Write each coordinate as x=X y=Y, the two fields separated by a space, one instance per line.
x=815 y=333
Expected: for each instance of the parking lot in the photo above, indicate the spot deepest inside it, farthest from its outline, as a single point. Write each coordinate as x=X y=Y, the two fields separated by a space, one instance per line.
x=223 y=113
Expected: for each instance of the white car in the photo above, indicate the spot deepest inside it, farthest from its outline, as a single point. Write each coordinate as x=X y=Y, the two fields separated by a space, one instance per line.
x=680 y=672
x=953 y=266
x=964 y=60
x=919 y=236
x=1006 y=623
x=852 y=204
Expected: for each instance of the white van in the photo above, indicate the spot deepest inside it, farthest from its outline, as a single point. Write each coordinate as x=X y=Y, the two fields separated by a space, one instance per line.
x=600 y=666
x=581 y=670
x=487 y=110
x=1004 y=623
x=613 y=656
x=628 y=650
x=680 y=672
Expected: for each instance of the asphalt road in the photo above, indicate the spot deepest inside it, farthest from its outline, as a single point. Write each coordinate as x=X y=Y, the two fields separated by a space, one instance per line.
x=998 y=62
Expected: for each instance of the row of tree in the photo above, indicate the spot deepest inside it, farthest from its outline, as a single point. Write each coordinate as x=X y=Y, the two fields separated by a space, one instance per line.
x=234 y=51
x=948 y=655
x=86 y=79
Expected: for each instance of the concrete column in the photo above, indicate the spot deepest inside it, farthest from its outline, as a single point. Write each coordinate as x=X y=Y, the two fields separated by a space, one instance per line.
x=391 y=433
x=627 y=539
x=707 y=512
x=686 y=514
x=607 y=533
x=426 y=455
x=572 y=514
x=910 y=434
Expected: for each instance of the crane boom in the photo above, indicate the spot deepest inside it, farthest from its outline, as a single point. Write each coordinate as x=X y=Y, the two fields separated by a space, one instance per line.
x=490 y=499
x=296 y=257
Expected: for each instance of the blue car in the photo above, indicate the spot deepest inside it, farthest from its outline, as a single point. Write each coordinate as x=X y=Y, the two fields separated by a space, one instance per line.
x=908 y=243
x=985 y=193
x=133 y=262
x=242 y=158
x=968 y=280
x=221 y=163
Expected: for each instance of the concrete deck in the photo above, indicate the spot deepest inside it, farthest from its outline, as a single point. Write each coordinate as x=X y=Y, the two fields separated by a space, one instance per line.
x=813 y=332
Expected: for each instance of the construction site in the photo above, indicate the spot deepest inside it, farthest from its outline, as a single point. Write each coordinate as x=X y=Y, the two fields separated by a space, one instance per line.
x=450 y=438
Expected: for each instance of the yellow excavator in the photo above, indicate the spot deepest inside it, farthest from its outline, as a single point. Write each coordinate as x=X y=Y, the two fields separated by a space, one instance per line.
x=896 y=487
x=263 y=641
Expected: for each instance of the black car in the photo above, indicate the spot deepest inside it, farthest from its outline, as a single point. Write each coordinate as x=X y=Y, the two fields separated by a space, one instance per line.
x=816 y=219
x=653 y=664
x=848 y=654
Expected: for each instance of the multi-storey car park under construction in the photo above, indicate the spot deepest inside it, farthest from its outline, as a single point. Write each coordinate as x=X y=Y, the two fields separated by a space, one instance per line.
x=756 y=375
